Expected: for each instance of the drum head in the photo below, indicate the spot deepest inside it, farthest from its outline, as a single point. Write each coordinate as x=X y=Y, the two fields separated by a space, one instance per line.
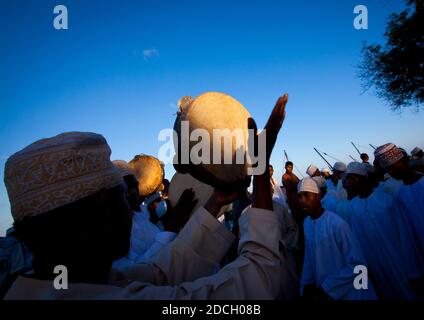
x=225 y=120
x=149 y=173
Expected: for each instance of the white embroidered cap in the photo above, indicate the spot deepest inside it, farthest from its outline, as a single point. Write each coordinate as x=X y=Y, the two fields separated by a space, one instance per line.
x=57 y=171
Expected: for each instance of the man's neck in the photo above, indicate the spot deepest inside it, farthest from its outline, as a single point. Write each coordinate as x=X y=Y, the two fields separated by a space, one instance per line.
x=351 y=196
x=365 y=192
x=317 y=213
x=411 y=178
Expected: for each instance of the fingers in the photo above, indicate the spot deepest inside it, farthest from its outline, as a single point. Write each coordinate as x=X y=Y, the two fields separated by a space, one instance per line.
x=278 y=114
x=282 y=102
x=187 y=194
x=251 y=125
x=275 y=122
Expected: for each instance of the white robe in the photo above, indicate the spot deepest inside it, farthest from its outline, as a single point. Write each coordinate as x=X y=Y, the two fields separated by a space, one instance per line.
x=344 y=210
x=338 y=190
x=391 y=186
x=330 y=185
x=162 y=238
x=331 y=254
x=330 y=200
x=182 y=269
x=375 y=227
x=278 y=194
x=409 y=212
x=143 y=232
x=146 y=240
x=412 y=197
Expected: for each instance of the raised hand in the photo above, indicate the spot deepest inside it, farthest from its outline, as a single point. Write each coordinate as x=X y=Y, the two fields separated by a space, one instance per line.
x=176 y=217
x=262 y=196
x=220 y=198
x=274 y=123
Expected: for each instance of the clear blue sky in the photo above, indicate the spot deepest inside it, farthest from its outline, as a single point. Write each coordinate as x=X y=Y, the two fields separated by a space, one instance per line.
x=121 y=67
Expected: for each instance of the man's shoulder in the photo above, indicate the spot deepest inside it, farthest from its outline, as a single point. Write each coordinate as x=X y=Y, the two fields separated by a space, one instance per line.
x=420 y=183
x=334 y=218
x=290 y=176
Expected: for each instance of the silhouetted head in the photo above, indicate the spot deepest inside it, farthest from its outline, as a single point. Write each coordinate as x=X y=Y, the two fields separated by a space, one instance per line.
x=394 y=160
x=69 y=205
x=289 y=167
x=355 y=179
x=271 y=170
x=309 y=196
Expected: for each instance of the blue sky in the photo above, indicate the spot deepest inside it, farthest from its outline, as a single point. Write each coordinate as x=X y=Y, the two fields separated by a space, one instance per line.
x=121 y=67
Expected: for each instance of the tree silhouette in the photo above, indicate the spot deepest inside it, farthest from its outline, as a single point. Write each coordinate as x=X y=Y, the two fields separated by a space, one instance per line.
x=396 y=70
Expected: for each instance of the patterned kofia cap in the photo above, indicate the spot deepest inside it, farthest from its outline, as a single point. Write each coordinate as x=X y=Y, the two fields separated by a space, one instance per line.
x=57 y=171
x=388 y=154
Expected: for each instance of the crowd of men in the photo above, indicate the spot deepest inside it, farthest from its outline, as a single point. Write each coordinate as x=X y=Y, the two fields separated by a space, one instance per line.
x=362 y=214
x=354 y=231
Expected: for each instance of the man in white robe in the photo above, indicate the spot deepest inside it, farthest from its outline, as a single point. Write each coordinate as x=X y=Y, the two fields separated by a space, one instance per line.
x=331 y=252
x=278 y=194
x=409 y=203
x=329 y=198
x=326 y=173
x=146 y=238
x=180 y=269
x=373 y=222
x=335 y=183
x=313 y=171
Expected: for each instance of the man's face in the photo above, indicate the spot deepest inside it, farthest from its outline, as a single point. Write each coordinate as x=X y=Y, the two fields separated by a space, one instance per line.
x=378 y=173
x=317 y=173
x=353 y=183
x=152 y=210
x=289 y=168
x=117 y=223
x=309 y=202
x=337 y=175
x=326 y=175
x=399 y=169
x=271 y=171
x=132 y=191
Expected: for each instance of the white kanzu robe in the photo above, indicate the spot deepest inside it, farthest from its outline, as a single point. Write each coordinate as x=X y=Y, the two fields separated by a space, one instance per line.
x=375 y=227
x=331 y=254
x=183 y=268
x=330 y=200
x=278 y=194
x=338 y=189
x=412 y=199
x=146 y=240
x=409 y=212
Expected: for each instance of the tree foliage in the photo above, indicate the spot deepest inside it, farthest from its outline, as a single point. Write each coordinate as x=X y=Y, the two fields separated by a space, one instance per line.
x=396 y=70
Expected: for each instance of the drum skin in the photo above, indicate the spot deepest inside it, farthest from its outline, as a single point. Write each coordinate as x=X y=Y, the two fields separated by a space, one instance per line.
x=211 y=111
x=149 y=173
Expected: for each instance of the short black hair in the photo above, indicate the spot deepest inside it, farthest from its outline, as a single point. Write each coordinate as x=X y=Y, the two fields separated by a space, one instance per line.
x=364 y=156
x=270 y=165
x=289 y=163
